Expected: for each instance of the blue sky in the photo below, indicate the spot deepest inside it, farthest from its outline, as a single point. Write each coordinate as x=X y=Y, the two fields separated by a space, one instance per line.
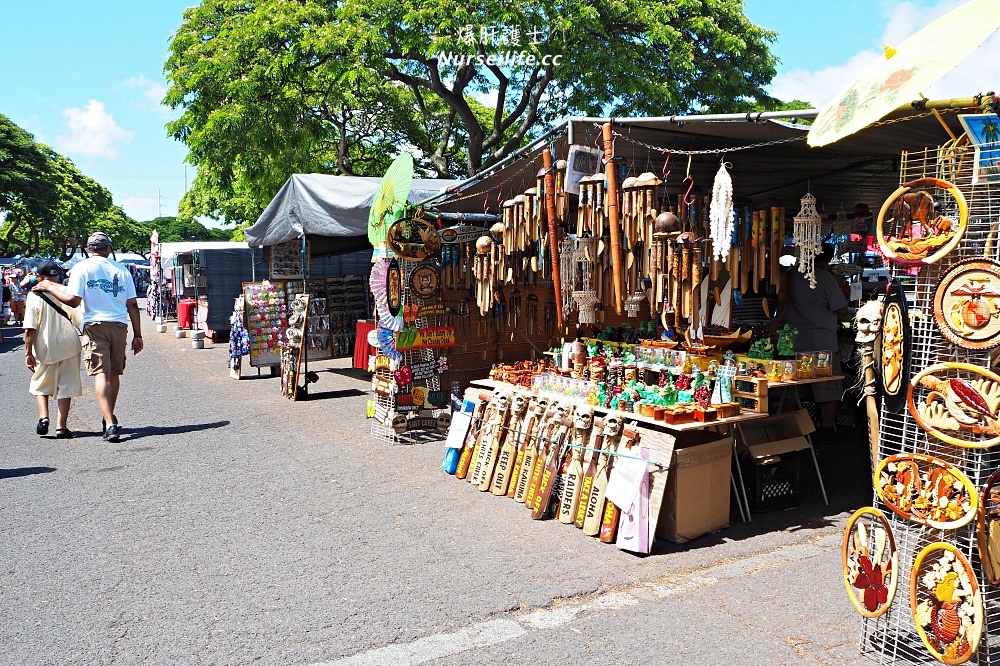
x=86 y=77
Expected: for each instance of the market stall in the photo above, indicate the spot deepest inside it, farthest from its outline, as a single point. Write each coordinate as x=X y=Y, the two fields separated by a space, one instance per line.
x=634 y=253
x=314 y=238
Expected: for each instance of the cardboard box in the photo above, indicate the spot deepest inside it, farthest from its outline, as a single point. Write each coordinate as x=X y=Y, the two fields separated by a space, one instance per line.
x=782 y=433
x=696 y=501
x=769 y=458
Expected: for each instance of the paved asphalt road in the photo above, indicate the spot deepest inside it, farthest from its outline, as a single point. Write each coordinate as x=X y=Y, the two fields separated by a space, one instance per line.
x=231 y=526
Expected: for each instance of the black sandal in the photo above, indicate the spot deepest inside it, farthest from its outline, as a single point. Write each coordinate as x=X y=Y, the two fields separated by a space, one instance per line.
x=64 y=433
x=43 y=427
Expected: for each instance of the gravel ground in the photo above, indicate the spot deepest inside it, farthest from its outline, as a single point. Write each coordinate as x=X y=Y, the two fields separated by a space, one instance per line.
x=231 y=526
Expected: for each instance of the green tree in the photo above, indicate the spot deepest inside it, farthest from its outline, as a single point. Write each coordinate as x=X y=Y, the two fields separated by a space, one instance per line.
x=27 y=189
x=180 y=230
x=268 y=88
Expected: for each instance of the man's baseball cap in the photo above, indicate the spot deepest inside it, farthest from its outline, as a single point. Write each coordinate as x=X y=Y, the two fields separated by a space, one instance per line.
x=98 y=239
x=49 y=269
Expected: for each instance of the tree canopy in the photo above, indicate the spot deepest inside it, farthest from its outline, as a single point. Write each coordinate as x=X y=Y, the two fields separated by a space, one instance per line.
x=48 y=206
x=179 y=230
x=268 y=88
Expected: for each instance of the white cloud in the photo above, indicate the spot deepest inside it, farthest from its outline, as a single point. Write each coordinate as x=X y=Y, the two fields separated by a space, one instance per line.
x=152 y=93
x=93 y=132
x=977 y=73
x=819 y=87
x=140 y=208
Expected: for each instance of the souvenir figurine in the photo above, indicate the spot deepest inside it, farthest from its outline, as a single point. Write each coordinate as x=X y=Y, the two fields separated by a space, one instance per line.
x=786 y=340
x=788 y=372
x=763 y=349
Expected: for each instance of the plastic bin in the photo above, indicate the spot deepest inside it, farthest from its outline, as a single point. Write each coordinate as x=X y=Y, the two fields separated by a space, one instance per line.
x=185 y=312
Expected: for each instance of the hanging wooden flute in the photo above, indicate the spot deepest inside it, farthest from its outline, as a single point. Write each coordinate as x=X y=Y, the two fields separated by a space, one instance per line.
x=553 y=222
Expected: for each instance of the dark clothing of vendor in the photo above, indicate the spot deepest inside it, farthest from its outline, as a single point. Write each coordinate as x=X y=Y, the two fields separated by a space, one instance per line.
x=814 y=312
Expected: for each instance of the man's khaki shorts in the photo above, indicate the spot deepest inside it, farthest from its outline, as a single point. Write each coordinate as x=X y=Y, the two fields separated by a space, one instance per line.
x=104 y=347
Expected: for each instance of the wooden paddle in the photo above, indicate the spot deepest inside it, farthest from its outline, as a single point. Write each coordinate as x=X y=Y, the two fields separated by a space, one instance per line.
x=508 y=452
x=538 y=468
x=472 y=438
x=588 y=477
x=521 y=462
x=609 y=521
x=550 y=472
x=573 y=482
x=529 y=463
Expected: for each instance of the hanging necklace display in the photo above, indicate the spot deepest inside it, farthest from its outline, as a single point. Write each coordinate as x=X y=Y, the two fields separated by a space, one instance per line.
x=988 y=523
x=926 y=490
x=807 y=233
x=870 y=562
x=959 y=404
x=721 y=214
x=394 y=288
x=913 y=236
x=946 y=603
x=414 y=239
x=966 y=305
x=425 y=280
x=895 y=347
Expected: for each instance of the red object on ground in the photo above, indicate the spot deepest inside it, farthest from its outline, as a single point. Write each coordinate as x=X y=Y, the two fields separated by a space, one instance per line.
x=362 y=350
x=185 y=312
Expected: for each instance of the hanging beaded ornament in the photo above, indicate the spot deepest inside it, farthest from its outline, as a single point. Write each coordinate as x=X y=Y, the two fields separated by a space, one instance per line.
x=634 y=303
x=720 y=214
x=586 y=303
x=568 y=272
x=807 y=234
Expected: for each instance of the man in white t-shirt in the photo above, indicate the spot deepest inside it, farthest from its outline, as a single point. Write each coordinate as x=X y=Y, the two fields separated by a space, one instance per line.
x=107 y=292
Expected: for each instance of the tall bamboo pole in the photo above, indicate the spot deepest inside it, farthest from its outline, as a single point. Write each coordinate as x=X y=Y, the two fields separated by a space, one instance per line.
x=611 y=197
x=550 y=212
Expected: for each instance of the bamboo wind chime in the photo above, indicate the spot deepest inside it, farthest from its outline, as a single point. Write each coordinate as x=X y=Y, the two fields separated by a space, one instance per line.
x=808 y=232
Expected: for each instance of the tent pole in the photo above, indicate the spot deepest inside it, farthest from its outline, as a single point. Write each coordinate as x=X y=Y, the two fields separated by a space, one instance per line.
x=305 y=348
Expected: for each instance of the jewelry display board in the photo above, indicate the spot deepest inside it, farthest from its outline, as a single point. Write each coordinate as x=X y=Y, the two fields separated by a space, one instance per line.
x=266 y=317
x=286 y=260
x=937 y=615
x=337 y=303
x=292 y=350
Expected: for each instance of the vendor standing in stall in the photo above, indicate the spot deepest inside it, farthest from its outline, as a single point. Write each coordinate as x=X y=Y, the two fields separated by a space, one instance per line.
x=815 y=313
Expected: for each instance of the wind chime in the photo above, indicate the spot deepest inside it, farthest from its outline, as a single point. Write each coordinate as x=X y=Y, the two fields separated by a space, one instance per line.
x=721 y=214
x=568 y=272
x=807 y=234
x=586 y=296
x=483 y=272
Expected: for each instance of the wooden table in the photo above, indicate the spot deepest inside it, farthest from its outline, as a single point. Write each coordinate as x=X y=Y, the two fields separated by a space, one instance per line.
x=736 y=478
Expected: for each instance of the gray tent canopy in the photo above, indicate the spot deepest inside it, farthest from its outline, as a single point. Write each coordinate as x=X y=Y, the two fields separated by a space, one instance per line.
x=321 y=205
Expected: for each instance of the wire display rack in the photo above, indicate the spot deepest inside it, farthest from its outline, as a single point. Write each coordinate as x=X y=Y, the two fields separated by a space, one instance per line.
x=386 y=402
x=893 y=638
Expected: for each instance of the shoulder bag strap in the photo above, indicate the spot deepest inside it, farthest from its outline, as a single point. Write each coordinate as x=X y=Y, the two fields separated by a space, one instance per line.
x=48 y=299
